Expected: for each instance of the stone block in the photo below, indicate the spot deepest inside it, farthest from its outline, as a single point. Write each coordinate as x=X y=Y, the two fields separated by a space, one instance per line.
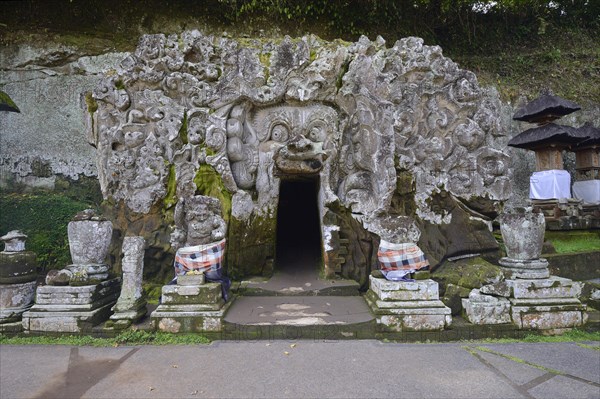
x=415 y=321
x=486 y=309
x=190 y=279
x=405 y=315
x=552 y=287
x=14 y=300
x=404 y=291
x=502 y=289
x=549 y=317
x=81 y=295
x=525 y=269
x=209 y=293
x=71 y=321
x=188 y=318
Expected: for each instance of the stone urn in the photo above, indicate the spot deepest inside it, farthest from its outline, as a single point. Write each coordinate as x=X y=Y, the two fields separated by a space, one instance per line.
x=523 y=233
x=89 y=238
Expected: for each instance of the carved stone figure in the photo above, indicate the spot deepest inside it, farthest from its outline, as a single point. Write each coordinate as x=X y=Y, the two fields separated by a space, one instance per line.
x=199 y=240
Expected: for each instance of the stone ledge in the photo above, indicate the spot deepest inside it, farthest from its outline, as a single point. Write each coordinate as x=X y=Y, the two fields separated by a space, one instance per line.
x=74 y=322
x=552 y=287
x=404 y=291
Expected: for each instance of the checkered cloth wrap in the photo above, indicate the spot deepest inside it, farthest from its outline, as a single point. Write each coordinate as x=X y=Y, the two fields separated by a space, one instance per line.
x=400 y=256
x=200 y=258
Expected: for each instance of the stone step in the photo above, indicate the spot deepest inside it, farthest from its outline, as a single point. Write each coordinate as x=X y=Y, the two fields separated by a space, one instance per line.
x=286 y=284
x=305 y=311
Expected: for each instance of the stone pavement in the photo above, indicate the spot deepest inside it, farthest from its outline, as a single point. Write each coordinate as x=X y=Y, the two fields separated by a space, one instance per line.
x=307 y=369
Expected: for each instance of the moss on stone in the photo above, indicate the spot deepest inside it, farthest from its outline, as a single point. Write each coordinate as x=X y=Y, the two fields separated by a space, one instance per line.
x=92 y=105
x=183 y=131
x=468 y=273
x=171 y=197
x=208 y=182
x=119 y=85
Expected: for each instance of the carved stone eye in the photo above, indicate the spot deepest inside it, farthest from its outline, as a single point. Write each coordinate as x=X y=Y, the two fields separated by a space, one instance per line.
x=317 y=134
x=279 y=133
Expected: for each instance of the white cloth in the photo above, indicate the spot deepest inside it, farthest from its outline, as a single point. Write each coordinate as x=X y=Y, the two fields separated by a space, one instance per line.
x=587 y=190
x=550 y=184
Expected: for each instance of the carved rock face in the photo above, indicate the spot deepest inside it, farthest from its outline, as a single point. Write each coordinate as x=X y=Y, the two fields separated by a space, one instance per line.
x=355 y=115
x=198 y=221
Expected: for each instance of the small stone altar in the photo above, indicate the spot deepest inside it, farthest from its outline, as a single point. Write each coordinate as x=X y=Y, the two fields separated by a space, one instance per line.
x=190 y=306
x=408 y=306
x=17 y=280
x=530 y=297
x=80 y=296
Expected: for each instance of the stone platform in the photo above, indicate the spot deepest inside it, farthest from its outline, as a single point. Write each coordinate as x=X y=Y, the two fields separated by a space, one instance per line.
x=408 y=306
x=549 y=304
x=71 y=309
x=190 y=308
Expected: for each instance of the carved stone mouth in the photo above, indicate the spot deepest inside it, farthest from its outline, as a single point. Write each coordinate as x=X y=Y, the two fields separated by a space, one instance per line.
x=297 y=165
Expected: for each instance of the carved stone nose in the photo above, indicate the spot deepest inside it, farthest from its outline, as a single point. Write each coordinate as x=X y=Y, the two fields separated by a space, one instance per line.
x=300 y=143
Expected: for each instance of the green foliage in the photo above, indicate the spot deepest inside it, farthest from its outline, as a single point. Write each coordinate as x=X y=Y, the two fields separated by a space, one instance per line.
x=152 y=291
x=7 y=104
x=44 y=218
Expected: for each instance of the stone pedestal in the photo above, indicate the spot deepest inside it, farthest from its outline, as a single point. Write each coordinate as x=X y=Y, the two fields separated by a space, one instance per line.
x=546 y=304
x=408 y=306
x=525 y=269
x=131 y=305
x=193 y=307
x=17 y=281
x=486 y=309
x=72 y=309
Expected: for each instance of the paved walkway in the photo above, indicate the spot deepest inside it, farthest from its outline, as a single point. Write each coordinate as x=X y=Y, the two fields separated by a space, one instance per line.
x=303 y=369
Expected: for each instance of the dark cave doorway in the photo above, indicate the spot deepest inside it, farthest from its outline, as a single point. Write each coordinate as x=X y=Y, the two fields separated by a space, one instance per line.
x=298 y=248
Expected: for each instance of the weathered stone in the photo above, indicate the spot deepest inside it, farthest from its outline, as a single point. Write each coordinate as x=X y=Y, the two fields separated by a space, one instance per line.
x=14 y=241
x=486 y=309
x=190 y=279
x=406 y=306
x=552 y=287
x=209 y=293
x=89 y=239
x=548 y=316
x=58 y=277
x=17 y=267
x=131 y=305
x=180 y=105
x=404 y=291
x=502 y=289
x=469 y=273
x=71 y=309
x=522 y=233
x=15 y=299
x=525 y=269
x=453 y=296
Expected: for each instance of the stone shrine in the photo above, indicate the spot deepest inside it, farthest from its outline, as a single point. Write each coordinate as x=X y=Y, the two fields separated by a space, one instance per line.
x=530 y=297
x=80 y=296
x=17 y=280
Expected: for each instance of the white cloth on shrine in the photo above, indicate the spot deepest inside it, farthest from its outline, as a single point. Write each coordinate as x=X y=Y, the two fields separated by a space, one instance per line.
x=587 y=190
x=550 y=184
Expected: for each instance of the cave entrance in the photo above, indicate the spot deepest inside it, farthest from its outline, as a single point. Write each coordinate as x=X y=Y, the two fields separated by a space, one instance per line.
x=298 y=247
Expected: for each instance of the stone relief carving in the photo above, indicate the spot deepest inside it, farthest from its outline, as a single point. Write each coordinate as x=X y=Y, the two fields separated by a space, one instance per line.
x=198 y=221
x=352 y=114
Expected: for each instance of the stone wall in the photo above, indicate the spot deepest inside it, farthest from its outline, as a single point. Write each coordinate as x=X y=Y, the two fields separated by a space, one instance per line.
x=48 y=138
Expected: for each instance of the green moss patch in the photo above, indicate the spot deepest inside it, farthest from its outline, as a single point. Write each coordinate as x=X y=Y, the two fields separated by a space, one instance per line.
x=44 y=219
x=208 y=182
x=574 y=241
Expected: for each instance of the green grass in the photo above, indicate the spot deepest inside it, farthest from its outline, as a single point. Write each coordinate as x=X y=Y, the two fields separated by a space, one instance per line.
x=574 y=241
x=574 y=335
x=129 y=337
